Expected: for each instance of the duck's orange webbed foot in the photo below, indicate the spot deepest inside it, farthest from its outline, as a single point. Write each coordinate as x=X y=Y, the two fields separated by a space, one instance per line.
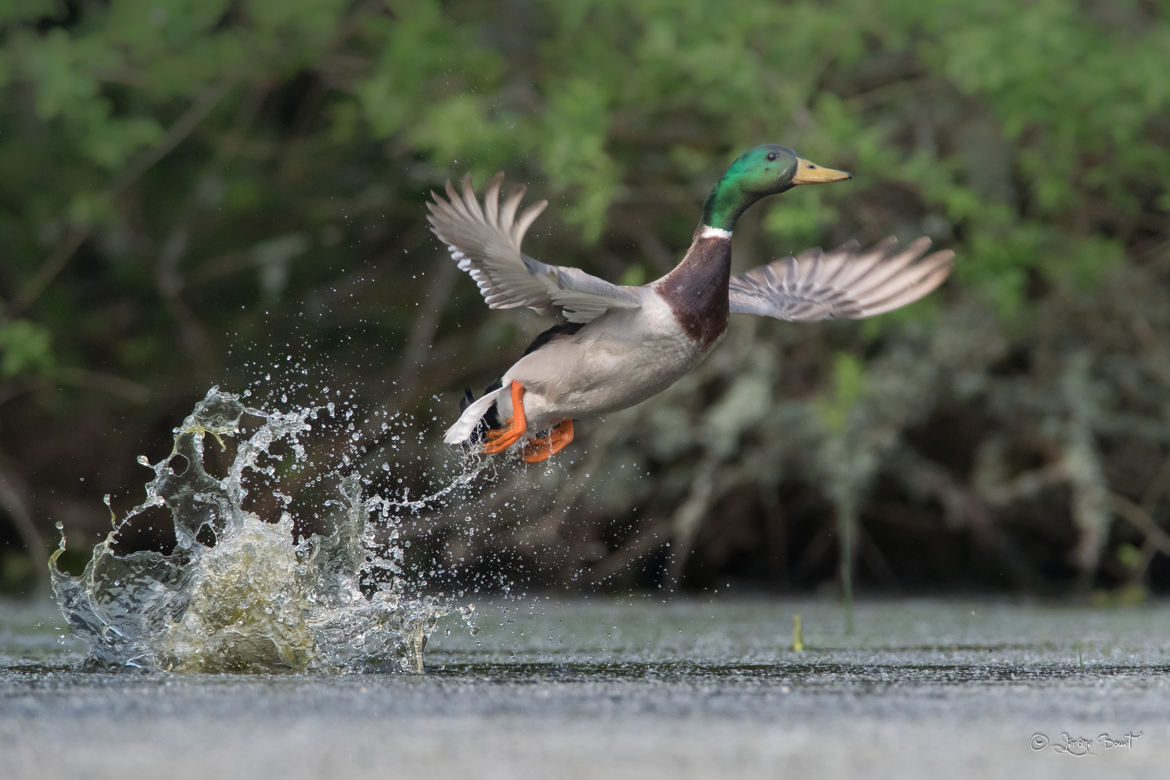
x=514 y=427
x=537 y=450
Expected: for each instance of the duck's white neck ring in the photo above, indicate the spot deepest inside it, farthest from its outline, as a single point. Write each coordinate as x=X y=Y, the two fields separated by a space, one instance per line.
x=714 y=232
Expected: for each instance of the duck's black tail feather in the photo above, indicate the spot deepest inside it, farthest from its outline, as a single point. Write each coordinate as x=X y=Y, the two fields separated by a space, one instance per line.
x=490 y=419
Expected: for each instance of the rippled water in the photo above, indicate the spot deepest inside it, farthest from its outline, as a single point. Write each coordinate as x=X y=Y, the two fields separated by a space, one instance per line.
x=235 y=593
x=632 y=688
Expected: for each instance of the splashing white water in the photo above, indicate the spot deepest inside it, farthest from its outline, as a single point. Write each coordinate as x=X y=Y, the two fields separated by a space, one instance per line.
x=236 y=593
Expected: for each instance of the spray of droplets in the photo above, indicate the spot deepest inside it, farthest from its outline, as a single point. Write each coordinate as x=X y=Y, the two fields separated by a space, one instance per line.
x=245 y=586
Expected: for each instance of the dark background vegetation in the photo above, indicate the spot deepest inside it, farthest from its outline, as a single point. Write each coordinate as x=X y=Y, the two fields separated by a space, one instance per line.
x=196 y=192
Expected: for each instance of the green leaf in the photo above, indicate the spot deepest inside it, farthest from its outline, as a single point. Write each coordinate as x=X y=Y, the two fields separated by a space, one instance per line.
x=25 y=348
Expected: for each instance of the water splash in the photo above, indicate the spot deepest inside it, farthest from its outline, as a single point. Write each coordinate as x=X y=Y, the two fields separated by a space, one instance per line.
x=235 y=593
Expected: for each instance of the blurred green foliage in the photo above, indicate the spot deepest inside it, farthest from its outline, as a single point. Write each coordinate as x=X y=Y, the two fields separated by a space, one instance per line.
x=183 y=184
x=24 y=348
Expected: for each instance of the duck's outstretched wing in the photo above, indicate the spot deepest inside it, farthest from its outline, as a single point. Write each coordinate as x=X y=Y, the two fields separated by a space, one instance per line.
x=846 y=283
x=485 y=241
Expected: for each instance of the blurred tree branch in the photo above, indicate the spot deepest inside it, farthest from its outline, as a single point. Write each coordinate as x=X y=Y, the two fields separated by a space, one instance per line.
x=76 y=235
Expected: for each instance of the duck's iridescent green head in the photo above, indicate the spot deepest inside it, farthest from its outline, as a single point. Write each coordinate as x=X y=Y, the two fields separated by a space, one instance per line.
x=760 y=172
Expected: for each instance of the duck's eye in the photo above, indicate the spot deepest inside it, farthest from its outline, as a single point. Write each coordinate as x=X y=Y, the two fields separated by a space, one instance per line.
x=772 y=155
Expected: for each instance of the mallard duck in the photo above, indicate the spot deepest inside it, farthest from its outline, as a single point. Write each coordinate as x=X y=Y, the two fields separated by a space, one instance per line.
x=617 y=345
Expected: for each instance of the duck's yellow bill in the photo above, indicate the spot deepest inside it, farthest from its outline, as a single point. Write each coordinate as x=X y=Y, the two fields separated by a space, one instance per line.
x=811 y=173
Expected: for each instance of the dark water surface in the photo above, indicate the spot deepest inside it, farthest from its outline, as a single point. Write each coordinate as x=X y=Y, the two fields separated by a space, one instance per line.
x=637 y=688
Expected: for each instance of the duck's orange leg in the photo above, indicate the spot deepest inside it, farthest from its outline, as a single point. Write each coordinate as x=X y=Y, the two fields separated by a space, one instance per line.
x=537 y=450
x=514 y=427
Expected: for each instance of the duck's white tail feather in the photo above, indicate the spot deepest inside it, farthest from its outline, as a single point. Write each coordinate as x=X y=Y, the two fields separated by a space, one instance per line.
x=463 y=427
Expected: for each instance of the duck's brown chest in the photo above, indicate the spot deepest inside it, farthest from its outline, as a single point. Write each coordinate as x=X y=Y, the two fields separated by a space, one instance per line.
x=697 y=290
